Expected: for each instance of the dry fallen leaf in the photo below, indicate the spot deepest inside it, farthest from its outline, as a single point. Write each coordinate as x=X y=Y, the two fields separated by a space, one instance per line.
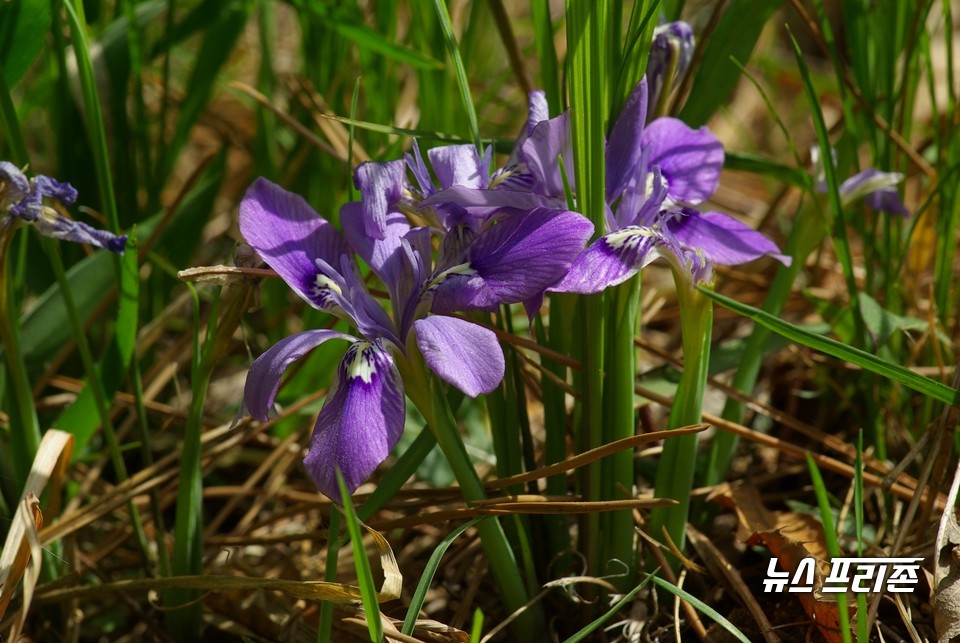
x=21 y=553
x=790 y=536
x=946 y=572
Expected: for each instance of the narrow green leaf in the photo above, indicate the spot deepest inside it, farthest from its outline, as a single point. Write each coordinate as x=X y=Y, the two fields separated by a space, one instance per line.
x=832 y=542
x=747 y=162
x=596 y=623
x=368 y=590
x=426 y=578
x=369 y=39
x=701 y=607
x=23 y=28
x=43 y=331
x=717 y=75
x=127 y=313
x=872 y=363
x=462 y=82
x=839 y=225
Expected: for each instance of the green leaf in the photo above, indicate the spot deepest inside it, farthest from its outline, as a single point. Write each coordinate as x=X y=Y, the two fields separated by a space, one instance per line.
x=591 y=627
x=127 y=313
x=369 y=39
x=717 y=75
x=428 y=572
x=755 y=164
x=832 y=541
x=368 y=590
x=701 y=607
x=462 y=82
x=872 y=363
x=23 y=28
x=43 y=329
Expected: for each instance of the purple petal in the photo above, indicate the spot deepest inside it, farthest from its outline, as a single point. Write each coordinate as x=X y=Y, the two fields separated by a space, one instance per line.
x=537 y=109
x=14 y=185
x=458 y=165
x=887 y=200
x=623 y=147
x=515 y=259
x=876 y=188
x=418 y=169
x=610 y=260
x=263 y=380
x=690 y=160
x=461 y=353
x=381 y=187
x=383 y=255
x=58 y=227
x=532 y=306
x=291 y=236
x=549 y=141
x=361 y=420
x=54 y=189
x=469 y=198
x=723 y=239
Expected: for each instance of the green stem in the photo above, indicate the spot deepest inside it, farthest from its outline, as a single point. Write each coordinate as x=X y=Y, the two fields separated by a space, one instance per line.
x=619 y=422
x=24 y=425
x=429 y=396
x=677 y=464
x=808 y=232
x=184 y=617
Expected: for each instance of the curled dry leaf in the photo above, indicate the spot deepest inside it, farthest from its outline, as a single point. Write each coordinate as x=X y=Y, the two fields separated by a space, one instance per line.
x=790 y=536
x=21 y=553
x=946 y=572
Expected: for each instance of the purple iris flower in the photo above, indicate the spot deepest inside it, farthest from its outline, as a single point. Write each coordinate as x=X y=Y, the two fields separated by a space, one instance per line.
x=22 y=199
x=656 y=174
x=876 y=188
x=362 y=419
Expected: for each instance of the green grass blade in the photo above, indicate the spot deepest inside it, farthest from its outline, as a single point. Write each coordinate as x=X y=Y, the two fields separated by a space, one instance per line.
x=420 y=594
x=129 y=305
x=865 y=360
x=93 y=115
x=23 y=28
x=368 y=589
x=833 y=191
x=747 y=162
x=716 y=76
x=462 y=82
x=547 y=54
x=596 y=623
x=701 y=607
x=863 y=634
x=184 y=616
x=832 y=542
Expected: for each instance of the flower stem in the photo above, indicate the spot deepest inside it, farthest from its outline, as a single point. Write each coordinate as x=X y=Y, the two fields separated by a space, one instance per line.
x=432 y=403
x=677 y=464
x=619 y=423
x=808 y=231
x=24 y=425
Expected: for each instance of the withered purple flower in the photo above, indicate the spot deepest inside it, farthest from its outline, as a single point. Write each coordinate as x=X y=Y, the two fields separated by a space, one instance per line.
x=876 y=188
x=23 y=199
x=363 y=416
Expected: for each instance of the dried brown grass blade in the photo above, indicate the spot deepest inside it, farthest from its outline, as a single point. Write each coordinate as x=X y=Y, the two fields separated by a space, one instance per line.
x=21 y=554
